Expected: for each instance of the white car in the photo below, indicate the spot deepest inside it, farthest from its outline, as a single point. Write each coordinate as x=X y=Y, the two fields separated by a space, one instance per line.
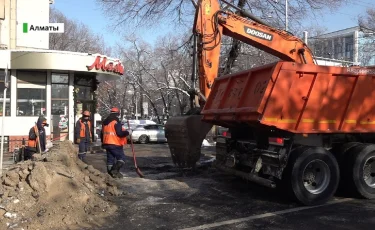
x=149 y=133
x=135 y=123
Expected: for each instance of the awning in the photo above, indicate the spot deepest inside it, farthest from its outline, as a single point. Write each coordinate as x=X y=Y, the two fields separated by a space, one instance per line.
x=106 y=68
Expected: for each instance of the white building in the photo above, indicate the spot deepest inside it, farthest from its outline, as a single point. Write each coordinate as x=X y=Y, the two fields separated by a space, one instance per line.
x=350 y=46
x=56 y=84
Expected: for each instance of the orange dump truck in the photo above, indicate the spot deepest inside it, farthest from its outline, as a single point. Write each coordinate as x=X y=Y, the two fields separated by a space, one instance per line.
x=293 y=124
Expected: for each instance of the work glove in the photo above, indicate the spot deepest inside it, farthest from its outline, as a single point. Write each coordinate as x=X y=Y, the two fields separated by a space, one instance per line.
x=78 y=141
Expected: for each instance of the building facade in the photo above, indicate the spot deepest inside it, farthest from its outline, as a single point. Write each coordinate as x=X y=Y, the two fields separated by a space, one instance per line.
x=345 y=47
x=56 y=84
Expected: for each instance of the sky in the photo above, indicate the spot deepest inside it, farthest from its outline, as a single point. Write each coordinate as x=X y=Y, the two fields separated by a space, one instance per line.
x=89 y=13
x=344 y=17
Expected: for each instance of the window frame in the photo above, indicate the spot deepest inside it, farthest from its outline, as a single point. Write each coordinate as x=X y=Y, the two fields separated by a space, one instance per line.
x=34 y=85
x=59 y=83
x=9 y=90
x=52 y=99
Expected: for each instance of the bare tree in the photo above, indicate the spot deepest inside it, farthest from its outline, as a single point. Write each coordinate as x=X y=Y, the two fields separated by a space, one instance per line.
x=158 y=75
x=133 y=14
x=175 y=61
x=162 y=73
x=77 y=36
x=367 y=39
x=138 y=59
x=145 y=14
x=113 y=94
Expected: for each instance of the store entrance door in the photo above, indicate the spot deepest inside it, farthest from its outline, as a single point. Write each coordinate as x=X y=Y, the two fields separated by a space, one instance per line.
x=60 y=107
x=82 y=106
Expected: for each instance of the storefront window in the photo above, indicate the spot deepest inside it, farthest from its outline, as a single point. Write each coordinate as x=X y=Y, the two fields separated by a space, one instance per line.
x=7 y=100
x=31 y=93
x=60 y=78
x=83 y=93
x=60 y=99
x=83 y=87
x=83 y=80
x=60 y=106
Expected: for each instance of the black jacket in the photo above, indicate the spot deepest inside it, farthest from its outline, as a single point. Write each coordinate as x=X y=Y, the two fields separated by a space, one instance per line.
x=42 y=136
x=118 y=128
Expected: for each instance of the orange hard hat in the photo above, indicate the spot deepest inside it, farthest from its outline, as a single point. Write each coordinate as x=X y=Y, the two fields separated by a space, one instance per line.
x=115 y=110
x=86 y=113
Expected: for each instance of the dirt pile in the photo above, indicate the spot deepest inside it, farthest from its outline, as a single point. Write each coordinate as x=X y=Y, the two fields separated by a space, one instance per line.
x=57 y=191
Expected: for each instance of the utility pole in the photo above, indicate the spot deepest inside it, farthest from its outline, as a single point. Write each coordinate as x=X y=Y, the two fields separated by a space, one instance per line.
x=305 y=37
x=136 y=105
x=286 y=15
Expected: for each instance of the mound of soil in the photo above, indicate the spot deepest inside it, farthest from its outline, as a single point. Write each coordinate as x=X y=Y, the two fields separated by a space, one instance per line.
x=56 y=191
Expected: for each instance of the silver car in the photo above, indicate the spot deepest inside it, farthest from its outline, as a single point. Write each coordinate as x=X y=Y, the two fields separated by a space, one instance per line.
x=149 y=133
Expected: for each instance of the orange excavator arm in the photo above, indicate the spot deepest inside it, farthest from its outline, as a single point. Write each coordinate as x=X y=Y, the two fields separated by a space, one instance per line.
x=212 y=22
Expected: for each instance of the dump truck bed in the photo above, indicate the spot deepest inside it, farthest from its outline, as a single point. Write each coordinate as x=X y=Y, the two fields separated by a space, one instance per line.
x=300 y=98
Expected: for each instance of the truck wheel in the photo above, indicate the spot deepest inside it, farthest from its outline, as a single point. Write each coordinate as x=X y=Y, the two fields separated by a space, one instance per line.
x=360 y=170
x=341 y=152
x=312 y=175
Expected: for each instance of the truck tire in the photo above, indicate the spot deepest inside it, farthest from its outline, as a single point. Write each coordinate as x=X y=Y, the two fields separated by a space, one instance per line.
x=312 y=175
x=341 y=152
x=359 y=170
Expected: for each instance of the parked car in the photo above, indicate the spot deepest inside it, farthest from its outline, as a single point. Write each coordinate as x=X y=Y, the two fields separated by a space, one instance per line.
x=149 y=133
x=132 y=126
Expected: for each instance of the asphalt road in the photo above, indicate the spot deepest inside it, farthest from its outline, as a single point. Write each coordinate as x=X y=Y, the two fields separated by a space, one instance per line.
x=168 y=198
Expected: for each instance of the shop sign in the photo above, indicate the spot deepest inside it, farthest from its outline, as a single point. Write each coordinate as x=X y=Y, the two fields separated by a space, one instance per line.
x=101 y=63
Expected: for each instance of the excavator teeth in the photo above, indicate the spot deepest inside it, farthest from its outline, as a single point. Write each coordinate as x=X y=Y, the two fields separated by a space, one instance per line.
x=185 y=135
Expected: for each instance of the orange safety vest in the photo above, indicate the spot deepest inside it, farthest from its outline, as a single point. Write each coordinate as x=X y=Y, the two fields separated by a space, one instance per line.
x=110 y=137
x=32 y=143
x=82 y=133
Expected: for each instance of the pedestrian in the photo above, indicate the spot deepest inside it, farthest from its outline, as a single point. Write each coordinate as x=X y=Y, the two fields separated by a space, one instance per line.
x=83 y=135
x=37 y=137
x=113 y=137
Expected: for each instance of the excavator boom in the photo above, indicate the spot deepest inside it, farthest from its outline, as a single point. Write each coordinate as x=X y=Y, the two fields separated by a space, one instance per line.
x=211 y=23
x=185 y=134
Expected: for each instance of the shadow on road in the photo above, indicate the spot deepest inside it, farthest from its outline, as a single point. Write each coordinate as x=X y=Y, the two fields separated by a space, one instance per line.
x=172 y=198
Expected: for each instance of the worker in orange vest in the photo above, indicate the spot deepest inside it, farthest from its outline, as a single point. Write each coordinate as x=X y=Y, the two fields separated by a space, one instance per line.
x=83 y=135
x=37 y=135
x=113 y=138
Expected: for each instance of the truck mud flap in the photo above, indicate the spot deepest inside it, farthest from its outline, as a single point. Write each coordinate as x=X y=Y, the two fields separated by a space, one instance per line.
x=185 y=135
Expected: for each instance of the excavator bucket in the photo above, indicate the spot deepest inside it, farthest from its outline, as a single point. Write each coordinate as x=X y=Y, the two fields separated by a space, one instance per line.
x=185 y=135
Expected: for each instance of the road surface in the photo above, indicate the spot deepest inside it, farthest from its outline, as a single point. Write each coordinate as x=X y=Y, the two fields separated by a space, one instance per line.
x=168 y=198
